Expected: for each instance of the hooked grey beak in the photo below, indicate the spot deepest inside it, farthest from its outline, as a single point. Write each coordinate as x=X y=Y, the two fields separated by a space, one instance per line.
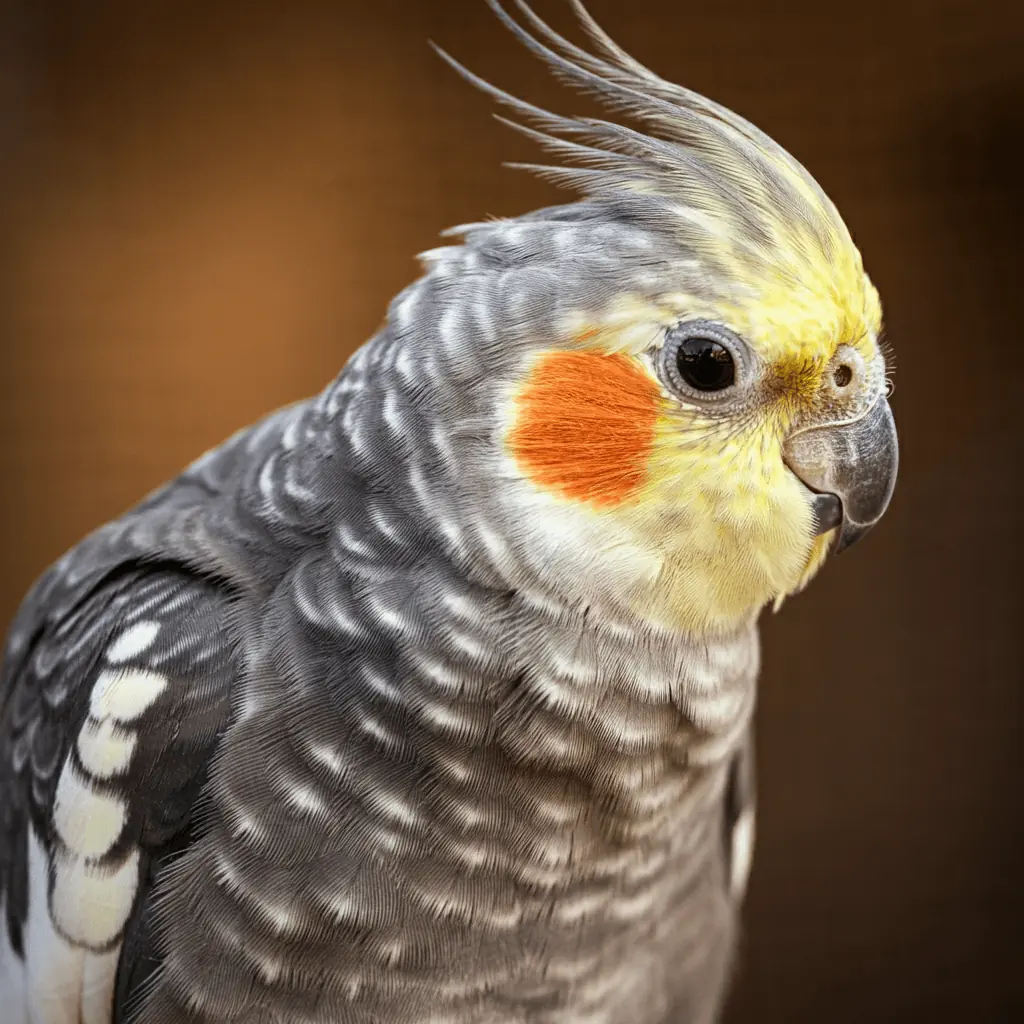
x=851 y=468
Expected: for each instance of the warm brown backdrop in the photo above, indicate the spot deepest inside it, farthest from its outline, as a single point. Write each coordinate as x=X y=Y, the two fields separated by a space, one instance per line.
x=204 y=207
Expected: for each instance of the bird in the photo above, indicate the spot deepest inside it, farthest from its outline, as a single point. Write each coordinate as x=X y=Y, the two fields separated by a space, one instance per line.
x=430 y=699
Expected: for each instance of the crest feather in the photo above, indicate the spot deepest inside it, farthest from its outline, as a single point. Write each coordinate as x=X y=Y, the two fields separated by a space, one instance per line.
x=739 y=199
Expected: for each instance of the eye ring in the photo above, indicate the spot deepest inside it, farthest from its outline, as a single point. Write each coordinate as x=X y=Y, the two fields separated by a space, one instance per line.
x=701 y=360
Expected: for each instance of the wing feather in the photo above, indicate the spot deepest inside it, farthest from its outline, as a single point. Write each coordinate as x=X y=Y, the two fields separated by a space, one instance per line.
x=114 y=695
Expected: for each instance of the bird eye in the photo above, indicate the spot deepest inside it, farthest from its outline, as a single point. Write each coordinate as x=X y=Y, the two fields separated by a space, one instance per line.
x=701 y=358
x=705 y=364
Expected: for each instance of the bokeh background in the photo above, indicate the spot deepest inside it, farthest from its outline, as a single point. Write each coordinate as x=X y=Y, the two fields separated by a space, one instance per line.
x=205 y=207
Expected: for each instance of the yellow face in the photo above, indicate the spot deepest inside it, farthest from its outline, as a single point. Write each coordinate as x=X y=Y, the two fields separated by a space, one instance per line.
x=700 y=488
x=692 y=494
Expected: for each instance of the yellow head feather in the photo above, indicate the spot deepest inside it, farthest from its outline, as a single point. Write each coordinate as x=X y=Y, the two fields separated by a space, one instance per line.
x=762 y=251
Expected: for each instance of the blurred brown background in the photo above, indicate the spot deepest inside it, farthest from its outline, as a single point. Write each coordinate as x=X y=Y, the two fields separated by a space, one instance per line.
x=204 y=207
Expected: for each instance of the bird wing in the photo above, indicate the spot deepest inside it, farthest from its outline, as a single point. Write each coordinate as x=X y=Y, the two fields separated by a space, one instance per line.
x=114 y=692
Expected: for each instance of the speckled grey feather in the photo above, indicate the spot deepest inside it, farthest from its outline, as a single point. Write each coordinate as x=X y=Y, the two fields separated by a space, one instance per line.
x=445 y=779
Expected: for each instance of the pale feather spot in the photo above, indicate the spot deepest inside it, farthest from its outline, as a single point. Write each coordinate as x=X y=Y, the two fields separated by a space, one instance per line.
x=420 y=486
x=494 y=544
x=105 y=750
x=328 y=756
x=442 y=443
x=341 y=907
x=461 y=605
x=125 y=694
x=397 y=808
x=388 y=951
x=307 y=800
x=295 y=490
x=132 y=642
x=387 y=839
x=742 y=853
x=380 y=684
x=455 y=768
x=537 y=600
x=573 y=668
x=375 y=729
x=444 y=717
x=290 y=437
x=88 y=822
x=567 y=970
x=357 y=361
x=267 y=482
x=225 y=872
x=392 y=413
x=53 y=967
x=380 y=521
x=468 y=643
x=639 y=905
x=648 y=687
x=350 y=418
x=385 y=615
x=348 y=384
x=404 y=365
x=473 y=855
x=244 y=824
x=405 y=310
x=270 y=968
x=447 y=330
x=251 y=703
x=282 y=918
x=468 y=813
x=91 y=904
x=716 y=748
x=342 y=620
x=450 y=530
x=556 y=812
x=576 y=910
x=713 y=712
x=439 y=673
x=354 y=430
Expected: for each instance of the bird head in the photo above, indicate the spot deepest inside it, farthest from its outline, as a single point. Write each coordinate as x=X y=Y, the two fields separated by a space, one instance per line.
x=700 y=415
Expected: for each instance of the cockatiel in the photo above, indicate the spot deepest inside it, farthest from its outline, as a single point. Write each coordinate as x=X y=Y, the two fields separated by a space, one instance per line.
x=429 y=699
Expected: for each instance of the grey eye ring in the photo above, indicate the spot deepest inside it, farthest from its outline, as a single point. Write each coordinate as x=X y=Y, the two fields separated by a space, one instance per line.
x=702 y=360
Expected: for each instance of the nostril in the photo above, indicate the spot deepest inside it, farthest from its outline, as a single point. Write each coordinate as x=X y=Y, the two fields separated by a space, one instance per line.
x=842 y=375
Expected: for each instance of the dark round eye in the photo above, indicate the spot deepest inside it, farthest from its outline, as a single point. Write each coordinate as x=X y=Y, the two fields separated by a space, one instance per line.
x=705 y=363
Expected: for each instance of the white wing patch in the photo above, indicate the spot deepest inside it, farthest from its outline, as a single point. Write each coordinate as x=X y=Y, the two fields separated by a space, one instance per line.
x=57 y=982
x=53 y=966
x=91 y=897
x=91 y=902
x=125 y=694
x=88 y=822
x=104 y=748
x=133 y=641
x=98 y=981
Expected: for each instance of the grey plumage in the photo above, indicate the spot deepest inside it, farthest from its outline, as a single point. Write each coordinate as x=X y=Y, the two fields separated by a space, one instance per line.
x=414 y=812
x=409 y=754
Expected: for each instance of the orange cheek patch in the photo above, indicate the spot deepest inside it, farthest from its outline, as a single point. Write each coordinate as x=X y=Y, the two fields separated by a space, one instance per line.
x=585 y=425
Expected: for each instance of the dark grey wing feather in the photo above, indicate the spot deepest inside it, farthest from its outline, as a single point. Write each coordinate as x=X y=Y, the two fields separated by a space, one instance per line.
x=165 y=627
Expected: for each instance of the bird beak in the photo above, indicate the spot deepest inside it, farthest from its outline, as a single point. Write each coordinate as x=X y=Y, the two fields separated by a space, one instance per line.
x=850 y=468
